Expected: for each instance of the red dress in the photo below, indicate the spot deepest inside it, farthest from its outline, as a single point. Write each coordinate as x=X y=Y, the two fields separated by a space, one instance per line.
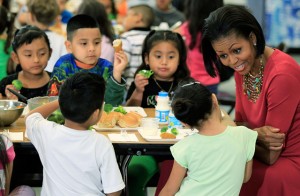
x=279 y=106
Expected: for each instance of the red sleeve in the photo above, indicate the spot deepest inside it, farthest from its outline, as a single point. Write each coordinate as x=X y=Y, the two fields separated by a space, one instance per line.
x=283 y=99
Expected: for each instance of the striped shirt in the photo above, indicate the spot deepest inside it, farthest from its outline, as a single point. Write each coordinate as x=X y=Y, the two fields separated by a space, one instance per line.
x=132 y=43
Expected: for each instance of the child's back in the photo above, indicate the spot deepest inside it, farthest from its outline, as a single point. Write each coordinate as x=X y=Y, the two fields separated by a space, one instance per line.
x=76 y=161
x=217 y=159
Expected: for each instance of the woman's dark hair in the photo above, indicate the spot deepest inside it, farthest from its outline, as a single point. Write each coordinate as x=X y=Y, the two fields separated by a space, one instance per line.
x=192 y=103
x=196 y=11
x=155 y=37
x=6 y=23
x=3 y=157
x=97 y=11
x=227 y=20
x=26 y=35
x=80 y=95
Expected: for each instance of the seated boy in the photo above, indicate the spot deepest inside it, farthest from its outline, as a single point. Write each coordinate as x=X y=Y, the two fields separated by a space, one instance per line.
x=76 y=161
x=137 y=25
x=84 y=47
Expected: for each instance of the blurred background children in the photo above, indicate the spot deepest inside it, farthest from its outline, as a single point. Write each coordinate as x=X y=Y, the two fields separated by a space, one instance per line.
x=166 y=12
x=137 y=25
x=43 y=14
x=196 y=11
x=6 y=34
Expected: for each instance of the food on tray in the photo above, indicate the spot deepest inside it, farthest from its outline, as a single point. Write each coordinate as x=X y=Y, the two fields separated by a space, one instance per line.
x=120 y=109
x=109 y=120
x=146 y=73
x=113 y=118
x=117 y=44
x=108 y=107
x=130 y=120
x=164 y=129
x=174 y=131
x=17 y=84
x=166 y=135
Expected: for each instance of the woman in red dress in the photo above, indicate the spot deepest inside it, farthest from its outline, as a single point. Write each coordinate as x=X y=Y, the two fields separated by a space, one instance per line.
x=267 y=97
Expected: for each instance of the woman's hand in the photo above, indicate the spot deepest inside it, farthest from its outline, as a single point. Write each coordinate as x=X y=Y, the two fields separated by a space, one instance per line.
x=8 y=94
x=270 y=138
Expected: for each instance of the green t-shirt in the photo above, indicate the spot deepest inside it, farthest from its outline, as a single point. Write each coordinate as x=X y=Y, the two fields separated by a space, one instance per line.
x=215 y=164
x=3 y=59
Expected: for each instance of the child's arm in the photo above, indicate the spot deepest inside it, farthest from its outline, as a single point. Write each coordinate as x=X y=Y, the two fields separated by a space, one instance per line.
x=137 y=95
x=248 y=171
x=173 y=184
x=120 y=63
x=114 y=193
x=45 y=110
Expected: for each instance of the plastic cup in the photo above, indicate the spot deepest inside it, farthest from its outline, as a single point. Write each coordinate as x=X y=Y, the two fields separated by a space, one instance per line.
x=149 y=126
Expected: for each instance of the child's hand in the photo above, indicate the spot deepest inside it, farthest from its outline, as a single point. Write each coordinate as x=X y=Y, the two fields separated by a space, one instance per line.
x=120 y=63
x=9 y=95
x=140 y=82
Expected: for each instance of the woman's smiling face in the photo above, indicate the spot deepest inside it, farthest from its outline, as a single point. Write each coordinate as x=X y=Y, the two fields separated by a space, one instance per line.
x=236 y=52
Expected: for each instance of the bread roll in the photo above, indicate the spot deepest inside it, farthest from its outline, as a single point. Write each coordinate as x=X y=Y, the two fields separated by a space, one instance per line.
x=129 y=120
x=117 y=44
x=109 y=120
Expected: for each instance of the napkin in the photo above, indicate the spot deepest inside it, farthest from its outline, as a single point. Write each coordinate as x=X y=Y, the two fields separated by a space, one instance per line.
x=114 y=137
x=14 y=136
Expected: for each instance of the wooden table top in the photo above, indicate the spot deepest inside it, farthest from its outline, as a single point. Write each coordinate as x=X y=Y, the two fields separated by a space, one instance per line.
x=19 y=126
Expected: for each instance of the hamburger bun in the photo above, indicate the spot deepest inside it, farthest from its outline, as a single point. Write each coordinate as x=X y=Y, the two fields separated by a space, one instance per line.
x=117 y=44
x=129 y=120
x=108 y=120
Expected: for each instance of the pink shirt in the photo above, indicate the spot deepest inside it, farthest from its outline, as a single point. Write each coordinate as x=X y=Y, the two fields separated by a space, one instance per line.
x=195 y=60
x=279 y=106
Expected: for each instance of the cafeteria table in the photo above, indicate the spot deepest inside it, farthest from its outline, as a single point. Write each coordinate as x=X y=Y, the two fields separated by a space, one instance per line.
x=28 y=168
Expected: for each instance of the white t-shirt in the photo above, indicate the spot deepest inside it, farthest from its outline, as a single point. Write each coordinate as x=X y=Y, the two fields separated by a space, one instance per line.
x=74 y=162
x=57 y=43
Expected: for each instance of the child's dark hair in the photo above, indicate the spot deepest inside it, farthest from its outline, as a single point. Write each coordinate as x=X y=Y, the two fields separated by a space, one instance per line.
x=3 y=157
x=147 y=12
x=26 y=35
x=155 y=37
x=81 y=95
x=96 y=10
x=6 y=23
x=192 y=103
x=80 y=21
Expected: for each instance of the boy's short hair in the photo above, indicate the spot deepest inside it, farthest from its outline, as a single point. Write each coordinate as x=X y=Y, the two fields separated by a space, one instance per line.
x=80 y=21
x=147 y=13
x=80 y=95
x=45 y=11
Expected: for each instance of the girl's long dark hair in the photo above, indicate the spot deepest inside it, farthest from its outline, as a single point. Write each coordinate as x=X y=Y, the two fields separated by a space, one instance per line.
x=155 y=37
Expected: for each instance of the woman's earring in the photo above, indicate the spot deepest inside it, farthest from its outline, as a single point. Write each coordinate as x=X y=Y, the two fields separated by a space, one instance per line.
x=254 y=44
